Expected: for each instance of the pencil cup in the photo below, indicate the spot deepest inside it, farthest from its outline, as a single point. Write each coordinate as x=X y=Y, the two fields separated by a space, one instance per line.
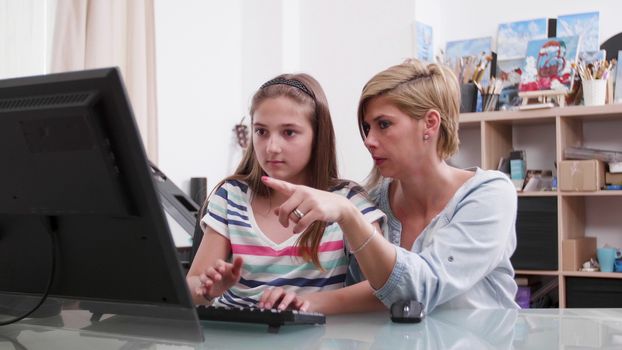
x=468 y=97
x=594 y=92
x=606 y=258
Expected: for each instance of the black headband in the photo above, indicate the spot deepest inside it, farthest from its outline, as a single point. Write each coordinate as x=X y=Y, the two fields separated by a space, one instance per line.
x=291 y=82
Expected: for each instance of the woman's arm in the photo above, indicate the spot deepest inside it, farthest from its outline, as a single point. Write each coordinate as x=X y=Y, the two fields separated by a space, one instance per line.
x=355 y=298
x=376 y=256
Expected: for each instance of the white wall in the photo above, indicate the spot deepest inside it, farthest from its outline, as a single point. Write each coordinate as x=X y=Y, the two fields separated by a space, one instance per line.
x=211 y=57
x=343 y=43
x=206 y=80
x=199 y=77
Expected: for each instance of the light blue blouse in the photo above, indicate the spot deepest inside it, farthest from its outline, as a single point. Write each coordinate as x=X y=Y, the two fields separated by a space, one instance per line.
x=462 y=258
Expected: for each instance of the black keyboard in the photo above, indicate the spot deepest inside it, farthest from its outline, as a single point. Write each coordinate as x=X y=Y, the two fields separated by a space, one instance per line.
x=272 y=317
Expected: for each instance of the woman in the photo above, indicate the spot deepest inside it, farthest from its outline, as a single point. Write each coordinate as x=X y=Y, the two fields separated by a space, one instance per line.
x=450 y=232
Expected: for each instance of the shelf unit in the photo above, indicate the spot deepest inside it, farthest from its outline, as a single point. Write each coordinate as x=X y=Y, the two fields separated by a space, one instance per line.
x=486 y=137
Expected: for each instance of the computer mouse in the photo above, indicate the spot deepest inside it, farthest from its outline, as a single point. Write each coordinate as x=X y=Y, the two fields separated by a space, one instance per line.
x=407 y=311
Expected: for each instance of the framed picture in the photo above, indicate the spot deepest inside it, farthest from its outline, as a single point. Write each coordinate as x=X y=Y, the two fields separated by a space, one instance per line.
x=469 y=47
x=423 y=43
x=592 y=56
x=512 y=38
x=509 y=73
x=584 y=25
x=548 y=64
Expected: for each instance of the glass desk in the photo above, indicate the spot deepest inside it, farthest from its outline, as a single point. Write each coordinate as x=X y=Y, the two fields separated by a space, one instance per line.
x=450 y=329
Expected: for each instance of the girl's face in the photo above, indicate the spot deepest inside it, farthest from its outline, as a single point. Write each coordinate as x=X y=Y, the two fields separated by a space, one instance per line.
x=283 y=138
x=394 y=139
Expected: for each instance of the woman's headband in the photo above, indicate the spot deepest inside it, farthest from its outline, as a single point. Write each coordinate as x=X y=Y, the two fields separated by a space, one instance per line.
x=291 y=82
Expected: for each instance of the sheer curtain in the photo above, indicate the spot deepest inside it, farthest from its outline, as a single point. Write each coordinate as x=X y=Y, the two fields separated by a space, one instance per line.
x=103 y=33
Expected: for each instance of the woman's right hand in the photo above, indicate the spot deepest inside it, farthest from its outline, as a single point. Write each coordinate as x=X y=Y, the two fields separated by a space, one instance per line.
x=279 y=298
x=215 y=280
x=311 y=204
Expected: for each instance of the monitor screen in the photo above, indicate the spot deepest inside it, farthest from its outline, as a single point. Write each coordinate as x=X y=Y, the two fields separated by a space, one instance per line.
x=74 y=168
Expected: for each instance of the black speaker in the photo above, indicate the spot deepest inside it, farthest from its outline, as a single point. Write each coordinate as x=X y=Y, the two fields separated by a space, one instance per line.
x=198 y=190
x=593 y=292
x=536 y=234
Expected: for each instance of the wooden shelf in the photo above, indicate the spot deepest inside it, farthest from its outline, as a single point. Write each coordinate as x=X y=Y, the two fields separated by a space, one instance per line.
x=492 y=135
x=537 y=272
x=538 y=194
x=592 y=113
x=613 y=111
x=593 y=194
x=592 y=274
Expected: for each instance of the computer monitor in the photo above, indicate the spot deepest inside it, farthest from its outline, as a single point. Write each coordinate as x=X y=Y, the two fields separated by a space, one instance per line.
x=74 y=168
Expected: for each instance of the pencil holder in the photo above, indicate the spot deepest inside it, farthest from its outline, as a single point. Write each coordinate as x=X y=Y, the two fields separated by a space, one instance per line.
x=594 y=92
x=490 y=103
x=468 y=98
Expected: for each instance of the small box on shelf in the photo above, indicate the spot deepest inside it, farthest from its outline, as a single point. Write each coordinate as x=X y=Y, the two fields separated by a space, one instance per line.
x=581 y=175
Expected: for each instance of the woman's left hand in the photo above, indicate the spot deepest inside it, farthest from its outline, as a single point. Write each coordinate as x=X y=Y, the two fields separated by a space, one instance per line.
x=306 y=205
x=278 y=298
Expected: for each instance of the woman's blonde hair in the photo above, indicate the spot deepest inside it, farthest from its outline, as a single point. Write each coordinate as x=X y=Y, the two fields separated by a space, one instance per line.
x=415 y=88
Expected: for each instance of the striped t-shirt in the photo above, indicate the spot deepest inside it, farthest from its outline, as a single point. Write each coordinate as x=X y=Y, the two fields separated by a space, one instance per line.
x=267 y=264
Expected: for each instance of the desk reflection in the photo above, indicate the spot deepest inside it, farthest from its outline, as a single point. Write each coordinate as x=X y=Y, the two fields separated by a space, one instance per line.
x=447 y=329
x=455 y=329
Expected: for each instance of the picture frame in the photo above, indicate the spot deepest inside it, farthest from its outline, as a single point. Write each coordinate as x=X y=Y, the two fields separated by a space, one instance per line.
x=512 y=37
x=585 y=25
x=548 y=64
x=423 y=41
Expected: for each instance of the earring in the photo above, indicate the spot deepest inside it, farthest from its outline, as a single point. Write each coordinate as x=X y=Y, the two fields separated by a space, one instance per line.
x=426 y=137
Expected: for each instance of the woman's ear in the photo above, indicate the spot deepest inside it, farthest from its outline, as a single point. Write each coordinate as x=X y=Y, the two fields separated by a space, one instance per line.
x=432 y=120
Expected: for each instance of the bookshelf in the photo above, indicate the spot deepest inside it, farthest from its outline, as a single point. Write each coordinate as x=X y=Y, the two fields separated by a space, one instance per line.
x=544 y=134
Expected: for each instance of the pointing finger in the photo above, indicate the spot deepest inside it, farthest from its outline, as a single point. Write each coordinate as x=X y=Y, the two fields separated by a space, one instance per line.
x=279 y=185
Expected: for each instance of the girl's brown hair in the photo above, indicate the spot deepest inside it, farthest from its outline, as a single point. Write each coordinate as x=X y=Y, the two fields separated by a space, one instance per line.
x=322 y=166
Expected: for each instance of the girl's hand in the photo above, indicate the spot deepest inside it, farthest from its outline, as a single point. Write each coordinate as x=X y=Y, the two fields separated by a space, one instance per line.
x=306 y=205
x=278 y=298
x=217 y=279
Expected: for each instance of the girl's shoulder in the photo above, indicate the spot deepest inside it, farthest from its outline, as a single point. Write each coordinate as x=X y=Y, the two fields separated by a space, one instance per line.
x=232 y=185
x=228 y=188
x=237 y=185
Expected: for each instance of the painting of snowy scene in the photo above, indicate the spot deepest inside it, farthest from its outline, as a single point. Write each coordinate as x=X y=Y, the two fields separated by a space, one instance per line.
x=583 y=24
x=512 y=38
x=424 y=46
x=469 y=47
x=548 y=64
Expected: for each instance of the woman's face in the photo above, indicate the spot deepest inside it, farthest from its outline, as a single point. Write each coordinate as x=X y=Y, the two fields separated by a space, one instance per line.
x=283 y=139
x=394 y=139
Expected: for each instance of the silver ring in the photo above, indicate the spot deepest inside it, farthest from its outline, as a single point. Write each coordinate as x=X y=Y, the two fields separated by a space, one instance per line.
x=298 y=213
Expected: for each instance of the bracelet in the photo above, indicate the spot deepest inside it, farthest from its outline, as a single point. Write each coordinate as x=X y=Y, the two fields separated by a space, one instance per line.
x=373 y=234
